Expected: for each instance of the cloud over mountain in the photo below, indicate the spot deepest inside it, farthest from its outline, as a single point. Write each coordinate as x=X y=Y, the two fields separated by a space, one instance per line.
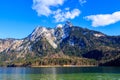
x=104 y=19
x=82 y=2
x=52 y=8
x=61 y=16
x=42 y=7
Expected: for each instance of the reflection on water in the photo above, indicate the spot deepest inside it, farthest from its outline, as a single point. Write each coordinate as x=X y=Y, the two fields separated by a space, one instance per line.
x=74 y=73
x=51 y=76
x=54 y=73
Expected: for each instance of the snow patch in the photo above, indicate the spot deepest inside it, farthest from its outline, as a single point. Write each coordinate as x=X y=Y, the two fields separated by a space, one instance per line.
x=71 y=42
x=99 y=35
x=59 y=26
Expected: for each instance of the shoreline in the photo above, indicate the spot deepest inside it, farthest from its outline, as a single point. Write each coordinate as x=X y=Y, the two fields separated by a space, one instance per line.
x=54 y=66
x=50 y=66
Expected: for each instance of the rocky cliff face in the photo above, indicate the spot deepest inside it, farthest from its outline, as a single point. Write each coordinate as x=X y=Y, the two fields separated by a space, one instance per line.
x=5 y=43
x=52 y=36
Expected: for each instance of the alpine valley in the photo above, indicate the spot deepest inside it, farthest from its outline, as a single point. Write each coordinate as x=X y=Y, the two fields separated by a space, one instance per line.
x=64 y=45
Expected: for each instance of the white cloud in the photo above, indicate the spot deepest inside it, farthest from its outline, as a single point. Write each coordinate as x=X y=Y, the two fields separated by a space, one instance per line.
x=61 y=16
x=67 y=9
x=42 y=7
x=82 y=2
x=104 y=19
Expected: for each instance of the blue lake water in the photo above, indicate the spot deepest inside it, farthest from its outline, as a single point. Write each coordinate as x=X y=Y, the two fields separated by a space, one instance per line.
x=60 y=73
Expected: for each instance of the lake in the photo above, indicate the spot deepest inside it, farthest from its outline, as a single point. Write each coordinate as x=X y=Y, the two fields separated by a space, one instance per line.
x=60 y=73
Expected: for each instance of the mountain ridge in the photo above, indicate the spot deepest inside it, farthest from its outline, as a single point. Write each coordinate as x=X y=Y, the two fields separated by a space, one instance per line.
x=65 y=39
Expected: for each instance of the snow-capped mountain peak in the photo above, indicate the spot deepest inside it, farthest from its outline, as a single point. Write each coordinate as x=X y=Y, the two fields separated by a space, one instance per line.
x=43 y=32
x=54 y=36
x=37 y=32
x=68 y=24
x=62 y=32
x=59 y=26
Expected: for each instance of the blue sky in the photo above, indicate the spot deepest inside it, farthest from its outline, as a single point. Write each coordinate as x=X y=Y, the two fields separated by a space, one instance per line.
x=18 y=18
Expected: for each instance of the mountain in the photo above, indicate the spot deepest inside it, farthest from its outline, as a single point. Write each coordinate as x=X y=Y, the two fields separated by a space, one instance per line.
x=64 y=42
